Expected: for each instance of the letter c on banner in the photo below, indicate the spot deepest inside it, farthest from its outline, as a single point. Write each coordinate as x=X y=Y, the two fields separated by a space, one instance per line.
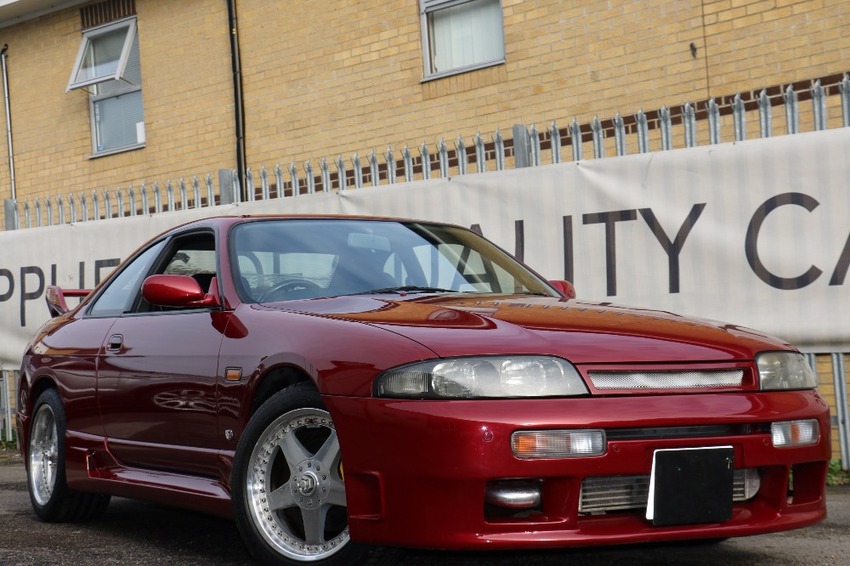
x=751 y=244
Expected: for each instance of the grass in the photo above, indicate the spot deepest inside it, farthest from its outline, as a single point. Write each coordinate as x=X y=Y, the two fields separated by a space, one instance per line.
x=8 y=450
x=835 y=475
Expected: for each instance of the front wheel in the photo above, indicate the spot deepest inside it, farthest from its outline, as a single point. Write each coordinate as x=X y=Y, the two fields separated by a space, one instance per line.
x=51 y=498
x=288 y=487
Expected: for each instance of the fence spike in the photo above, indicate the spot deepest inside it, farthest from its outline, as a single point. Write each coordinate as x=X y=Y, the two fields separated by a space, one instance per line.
x=311 y=181
x=373 y=167
x=844 y=89
x=619 y=134
x=407 y=157
x=818 y=106
x=739 y=117
x=326 y=175
x=249 y=184
x=534 y=145
x=460 y=151
x=598 y=135
x=210 y=190
x=555 y=142
x=293 y=176
x=358 y=170
x=169 y=193
x=443 y=155
x=642 y=131
x=765 y=116
x=264 y=183
x=119 y=202
x=792 y=115
x=196 y=192
x=426 y=161
x=391 y=165
x=340 y=167
x=499 y=145
x=107 y=205
x=713 y=122
x=666 y=128
x=480 y=153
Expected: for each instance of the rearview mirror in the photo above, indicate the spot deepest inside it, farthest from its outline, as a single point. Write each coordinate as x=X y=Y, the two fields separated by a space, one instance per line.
x=177 y=291
x=564 y=287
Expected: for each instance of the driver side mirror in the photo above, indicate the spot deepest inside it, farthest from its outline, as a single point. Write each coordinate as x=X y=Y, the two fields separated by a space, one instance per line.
x=564 y=287
x=178 y=291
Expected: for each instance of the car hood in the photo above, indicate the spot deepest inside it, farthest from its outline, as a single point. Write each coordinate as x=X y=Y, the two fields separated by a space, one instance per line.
x=583 y=332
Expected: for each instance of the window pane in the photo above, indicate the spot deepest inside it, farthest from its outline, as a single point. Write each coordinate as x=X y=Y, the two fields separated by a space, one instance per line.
x=465 y=35
x=119 y=121
x=122 y=292
x=102 y=55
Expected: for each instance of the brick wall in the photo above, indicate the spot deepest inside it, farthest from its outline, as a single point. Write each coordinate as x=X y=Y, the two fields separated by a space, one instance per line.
x=187 y=102
x=339 y=77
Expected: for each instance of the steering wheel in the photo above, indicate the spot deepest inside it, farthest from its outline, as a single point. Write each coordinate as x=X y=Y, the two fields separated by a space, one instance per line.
x=286 y=287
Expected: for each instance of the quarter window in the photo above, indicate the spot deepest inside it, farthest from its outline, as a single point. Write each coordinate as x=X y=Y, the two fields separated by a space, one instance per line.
x=108 y=69
x=461 y=35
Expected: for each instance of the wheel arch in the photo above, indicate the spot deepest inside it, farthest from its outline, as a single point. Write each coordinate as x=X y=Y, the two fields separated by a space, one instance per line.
x=276 y=379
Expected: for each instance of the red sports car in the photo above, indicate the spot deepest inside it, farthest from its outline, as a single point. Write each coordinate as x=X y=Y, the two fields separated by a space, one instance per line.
x=334 y=383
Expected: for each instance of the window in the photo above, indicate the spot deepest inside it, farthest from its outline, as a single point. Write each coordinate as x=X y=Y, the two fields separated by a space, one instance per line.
x=108 y=68
x=461 y=35
x=121 y=293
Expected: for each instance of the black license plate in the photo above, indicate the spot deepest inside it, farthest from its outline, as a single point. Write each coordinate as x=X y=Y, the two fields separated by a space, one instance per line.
x=691 y=486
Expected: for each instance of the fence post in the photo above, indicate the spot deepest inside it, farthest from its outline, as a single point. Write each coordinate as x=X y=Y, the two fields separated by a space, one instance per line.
x=522 y=151
x=839 y=380
x=765 y=118
x=225 y=183
x=576 y=140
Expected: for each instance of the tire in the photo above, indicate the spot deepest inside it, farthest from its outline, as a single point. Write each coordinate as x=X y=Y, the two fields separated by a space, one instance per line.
x=288 y=487
x=51 y=498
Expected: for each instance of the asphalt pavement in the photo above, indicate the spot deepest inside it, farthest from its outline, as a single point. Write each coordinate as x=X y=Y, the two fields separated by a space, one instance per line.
x=136 y=533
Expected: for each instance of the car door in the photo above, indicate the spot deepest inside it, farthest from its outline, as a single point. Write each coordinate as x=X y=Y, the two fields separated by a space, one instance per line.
x=157 y=376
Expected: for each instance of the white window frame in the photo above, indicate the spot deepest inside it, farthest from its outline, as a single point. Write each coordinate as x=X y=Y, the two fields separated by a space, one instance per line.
x=96 y=95
x=91 y=34
x=426 y=9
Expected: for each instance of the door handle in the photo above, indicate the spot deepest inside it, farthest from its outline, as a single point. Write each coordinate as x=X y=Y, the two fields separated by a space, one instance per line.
x=116 y=341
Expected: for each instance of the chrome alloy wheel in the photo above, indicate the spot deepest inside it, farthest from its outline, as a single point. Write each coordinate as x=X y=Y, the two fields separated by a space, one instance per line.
x=295 y=490
x=43 y=454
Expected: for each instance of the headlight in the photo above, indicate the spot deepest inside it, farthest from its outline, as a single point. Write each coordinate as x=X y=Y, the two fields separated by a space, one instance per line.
x=785 y=370
x=475 y=377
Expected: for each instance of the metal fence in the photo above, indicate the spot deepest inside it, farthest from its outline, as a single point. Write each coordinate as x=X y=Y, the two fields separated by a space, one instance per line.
x=789 y=109
x=7 y=383
x=805 y=106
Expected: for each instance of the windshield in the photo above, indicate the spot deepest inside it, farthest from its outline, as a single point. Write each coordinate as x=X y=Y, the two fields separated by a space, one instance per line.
x=287 y=259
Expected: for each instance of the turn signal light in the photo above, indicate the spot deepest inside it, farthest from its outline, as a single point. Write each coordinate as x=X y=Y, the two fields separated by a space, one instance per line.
x=528 y=444
x=795 y=433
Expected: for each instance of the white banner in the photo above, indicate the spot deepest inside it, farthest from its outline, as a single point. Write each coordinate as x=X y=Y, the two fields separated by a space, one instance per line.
x=755 y=233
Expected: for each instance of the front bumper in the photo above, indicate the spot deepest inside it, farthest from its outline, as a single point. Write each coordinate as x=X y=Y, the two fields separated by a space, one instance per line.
x=416 y=472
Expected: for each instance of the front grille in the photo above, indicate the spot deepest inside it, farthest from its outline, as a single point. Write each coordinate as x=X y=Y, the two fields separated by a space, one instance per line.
x=695 y=431
x=602 y=494
x=660 y=380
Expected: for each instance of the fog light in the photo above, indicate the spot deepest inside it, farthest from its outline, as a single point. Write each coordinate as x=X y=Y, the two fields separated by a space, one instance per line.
x=513 y=494
x=557 y=443
x=795 y=433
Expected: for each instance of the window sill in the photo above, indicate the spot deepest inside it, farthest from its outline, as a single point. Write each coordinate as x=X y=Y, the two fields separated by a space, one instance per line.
x=124 y=149
x=461 y=70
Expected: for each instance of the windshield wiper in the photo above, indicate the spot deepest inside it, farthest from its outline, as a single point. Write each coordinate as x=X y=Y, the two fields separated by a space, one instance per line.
x=410 y=289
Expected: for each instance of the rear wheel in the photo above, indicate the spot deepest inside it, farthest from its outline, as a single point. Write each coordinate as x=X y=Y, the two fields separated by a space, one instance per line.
x=51 y=498
x=288 y=488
